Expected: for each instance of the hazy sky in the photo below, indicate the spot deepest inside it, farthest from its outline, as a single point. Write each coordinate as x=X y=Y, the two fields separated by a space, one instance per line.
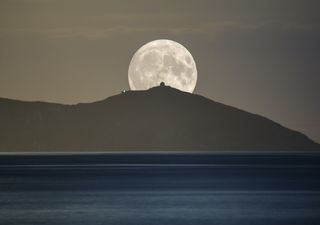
x=260 y=56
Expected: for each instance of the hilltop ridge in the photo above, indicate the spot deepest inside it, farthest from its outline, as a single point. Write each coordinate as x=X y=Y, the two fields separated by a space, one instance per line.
x=161 y=118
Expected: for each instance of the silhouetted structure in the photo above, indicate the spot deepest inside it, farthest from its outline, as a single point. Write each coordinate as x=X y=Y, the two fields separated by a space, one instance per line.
x=161 y=118
x=162 y=84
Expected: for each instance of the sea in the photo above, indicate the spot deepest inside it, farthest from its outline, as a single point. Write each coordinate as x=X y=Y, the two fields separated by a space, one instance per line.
x=160 y=188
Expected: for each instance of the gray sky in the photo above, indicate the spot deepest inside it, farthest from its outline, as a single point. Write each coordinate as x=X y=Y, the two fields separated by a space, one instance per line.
x=260 y=56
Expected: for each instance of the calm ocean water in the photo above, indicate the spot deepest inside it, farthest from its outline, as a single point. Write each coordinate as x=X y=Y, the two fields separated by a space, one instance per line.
x=160 y=188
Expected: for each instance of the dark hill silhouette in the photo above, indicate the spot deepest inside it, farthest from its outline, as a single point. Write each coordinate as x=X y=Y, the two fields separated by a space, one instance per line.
x=161 y=118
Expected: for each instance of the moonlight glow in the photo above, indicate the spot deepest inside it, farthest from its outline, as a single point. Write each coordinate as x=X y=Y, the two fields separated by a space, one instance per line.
x=162 y=61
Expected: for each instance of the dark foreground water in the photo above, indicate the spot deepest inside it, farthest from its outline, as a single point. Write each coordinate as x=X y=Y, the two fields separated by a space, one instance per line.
x=164 y=189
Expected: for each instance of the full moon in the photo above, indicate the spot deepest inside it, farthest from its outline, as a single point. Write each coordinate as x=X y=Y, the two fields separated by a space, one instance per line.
x=162 y=61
